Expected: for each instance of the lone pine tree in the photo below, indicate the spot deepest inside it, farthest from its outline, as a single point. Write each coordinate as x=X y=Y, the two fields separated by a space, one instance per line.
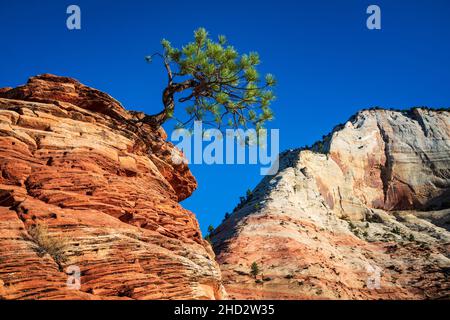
x=254 y=269
x=217 y=85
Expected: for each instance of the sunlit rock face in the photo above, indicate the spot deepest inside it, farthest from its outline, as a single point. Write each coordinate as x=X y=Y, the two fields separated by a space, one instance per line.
x=102 y=184
x=364 y=214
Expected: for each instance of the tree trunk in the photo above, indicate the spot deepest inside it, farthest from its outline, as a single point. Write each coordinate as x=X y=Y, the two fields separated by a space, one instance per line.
x=168 y=100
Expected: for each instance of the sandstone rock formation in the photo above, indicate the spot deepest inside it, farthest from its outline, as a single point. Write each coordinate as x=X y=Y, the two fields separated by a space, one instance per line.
x=364 y=214
x=83 y=183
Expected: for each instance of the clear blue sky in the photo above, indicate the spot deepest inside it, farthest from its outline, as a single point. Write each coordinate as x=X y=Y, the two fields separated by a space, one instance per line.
x=328 y=64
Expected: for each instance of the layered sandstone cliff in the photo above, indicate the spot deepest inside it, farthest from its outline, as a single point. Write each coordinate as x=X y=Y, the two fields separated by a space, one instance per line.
x=365 y=214
x=84 y=183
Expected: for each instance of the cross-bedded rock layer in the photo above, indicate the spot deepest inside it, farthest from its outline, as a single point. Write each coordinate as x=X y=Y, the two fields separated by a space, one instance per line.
x=102 y=187
x=373 y=195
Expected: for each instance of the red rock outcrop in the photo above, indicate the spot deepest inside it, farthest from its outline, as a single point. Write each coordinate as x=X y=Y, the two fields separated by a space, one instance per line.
x=365 y=214
x=101 y=189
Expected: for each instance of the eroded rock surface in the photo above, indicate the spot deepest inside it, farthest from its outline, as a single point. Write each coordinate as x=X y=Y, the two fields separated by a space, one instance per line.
x=363 y=215
x=102 y=186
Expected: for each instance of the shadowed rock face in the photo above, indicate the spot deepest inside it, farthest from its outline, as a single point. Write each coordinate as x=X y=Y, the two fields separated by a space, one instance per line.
x=374 y=195
x=73 y=160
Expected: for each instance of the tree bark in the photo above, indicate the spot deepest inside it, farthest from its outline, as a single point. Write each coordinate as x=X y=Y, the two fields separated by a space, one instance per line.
x=168 y=100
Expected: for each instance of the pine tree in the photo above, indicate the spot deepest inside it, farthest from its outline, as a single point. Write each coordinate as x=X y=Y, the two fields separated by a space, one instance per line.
x=220 y=86
x=254 y=269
